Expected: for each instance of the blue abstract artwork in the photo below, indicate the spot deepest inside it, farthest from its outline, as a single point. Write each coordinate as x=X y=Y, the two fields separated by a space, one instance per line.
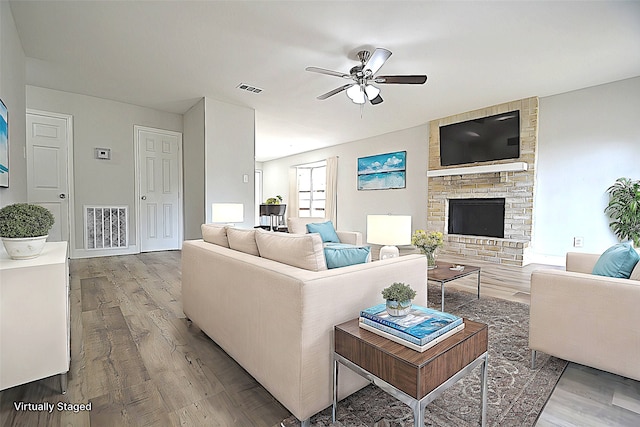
x=382 y=171
x=4 y=146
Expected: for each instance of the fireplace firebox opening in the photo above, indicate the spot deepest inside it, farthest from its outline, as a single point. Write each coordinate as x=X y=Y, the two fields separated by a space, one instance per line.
x=477 y=217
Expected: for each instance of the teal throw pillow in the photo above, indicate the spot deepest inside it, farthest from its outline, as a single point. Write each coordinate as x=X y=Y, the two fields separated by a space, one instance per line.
x=617 y=261
x=326 y=230
x=343 y=255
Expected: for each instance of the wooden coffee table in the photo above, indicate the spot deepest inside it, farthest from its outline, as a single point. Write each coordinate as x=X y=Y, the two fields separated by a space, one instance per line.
x=443 y=274
x=414 y=378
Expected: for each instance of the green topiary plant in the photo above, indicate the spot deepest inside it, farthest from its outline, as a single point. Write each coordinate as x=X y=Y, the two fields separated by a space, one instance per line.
x=398 y=292
x=624 y=209
x=274 y=200
x=25 y=220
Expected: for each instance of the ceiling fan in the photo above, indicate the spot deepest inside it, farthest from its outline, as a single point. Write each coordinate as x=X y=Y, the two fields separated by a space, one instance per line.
x=362 y=89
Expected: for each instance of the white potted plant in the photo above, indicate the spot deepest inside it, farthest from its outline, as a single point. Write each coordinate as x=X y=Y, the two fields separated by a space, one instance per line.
x=24 y=229
x=398 y=296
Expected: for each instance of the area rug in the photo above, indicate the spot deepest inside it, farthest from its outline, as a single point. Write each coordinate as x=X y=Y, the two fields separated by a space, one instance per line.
x=516 y=393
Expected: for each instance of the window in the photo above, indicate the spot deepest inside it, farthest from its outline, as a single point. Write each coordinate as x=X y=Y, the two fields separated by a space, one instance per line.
x=312 y=181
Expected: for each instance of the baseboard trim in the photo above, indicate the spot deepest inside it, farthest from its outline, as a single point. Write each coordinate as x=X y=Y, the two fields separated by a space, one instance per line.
x=94 y=253
x=554 y=260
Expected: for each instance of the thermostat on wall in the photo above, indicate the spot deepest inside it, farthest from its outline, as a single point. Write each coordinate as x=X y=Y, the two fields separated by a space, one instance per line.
x=103 y=153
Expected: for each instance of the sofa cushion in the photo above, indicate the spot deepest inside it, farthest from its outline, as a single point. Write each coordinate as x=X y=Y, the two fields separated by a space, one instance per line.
x=342 y=255
x=216 y=234
x=298 y=250
x=243 y=240
x=326 y=231
x=617 y=261
x=299 y=225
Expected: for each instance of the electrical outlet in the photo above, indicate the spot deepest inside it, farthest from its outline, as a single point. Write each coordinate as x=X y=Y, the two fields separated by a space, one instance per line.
x=578 y=242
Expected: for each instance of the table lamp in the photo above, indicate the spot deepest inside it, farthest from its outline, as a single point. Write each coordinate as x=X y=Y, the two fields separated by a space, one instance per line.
x=389 y=230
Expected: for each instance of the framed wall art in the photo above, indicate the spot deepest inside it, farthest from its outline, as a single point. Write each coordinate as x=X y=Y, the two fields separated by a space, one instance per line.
x=4 y=145
x=382 y=171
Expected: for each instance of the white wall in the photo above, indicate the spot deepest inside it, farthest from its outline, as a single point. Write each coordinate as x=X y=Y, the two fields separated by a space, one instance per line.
x=587 y=139
x=12 y=93
x=229 y=157
x=101 y=123
x=193 y=170
x=354 y=205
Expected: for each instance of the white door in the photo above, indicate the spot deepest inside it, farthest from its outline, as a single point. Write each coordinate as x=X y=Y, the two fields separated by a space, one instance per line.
x=48 y=140
x=159 y=160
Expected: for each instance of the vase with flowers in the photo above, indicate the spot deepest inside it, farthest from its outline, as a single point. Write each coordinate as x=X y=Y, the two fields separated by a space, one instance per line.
x=428 y=242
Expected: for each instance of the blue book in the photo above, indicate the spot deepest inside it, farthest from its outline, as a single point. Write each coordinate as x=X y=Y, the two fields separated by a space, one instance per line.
x=410 y=338
x=420 y=326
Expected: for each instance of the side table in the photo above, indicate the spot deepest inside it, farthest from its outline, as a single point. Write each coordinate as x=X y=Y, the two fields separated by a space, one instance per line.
x=34 y=317
x=414 y=378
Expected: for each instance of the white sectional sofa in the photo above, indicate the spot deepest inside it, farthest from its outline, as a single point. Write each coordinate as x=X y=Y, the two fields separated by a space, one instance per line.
x=270 y=303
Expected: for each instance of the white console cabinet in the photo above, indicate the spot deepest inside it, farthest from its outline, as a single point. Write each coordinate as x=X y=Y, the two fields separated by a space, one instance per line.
x=34 y=317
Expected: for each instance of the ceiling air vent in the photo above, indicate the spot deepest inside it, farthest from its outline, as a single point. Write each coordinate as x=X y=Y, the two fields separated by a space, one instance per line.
x=249 y=88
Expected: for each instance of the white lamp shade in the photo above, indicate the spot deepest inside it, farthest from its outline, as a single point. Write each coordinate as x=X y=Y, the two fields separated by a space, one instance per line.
x=371 y=91
x=356 y=94
x=227 y=212
x=389 y=229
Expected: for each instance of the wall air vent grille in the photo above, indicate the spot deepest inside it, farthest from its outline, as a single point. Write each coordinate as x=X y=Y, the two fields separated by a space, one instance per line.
x=249 y=88
x=106 y=227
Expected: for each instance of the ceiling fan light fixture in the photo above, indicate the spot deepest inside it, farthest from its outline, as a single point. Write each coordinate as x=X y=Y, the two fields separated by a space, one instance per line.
x=356 y=94
x=371 y=91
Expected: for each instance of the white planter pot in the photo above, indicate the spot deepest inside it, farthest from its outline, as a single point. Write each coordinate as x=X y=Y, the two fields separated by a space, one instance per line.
x=24 y=248
x=397 y=309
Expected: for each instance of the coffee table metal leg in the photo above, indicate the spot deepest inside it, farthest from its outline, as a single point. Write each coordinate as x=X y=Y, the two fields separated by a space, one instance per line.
x=335 y=388
x=485 y=367
x=478 y=284
x=442 y=292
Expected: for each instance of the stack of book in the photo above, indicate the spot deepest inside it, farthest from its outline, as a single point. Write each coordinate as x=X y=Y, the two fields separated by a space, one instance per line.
x=419 y=330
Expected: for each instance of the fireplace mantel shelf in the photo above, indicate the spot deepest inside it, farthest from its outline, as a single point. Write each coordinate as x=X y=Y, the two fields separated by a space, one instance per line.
x=502 y=167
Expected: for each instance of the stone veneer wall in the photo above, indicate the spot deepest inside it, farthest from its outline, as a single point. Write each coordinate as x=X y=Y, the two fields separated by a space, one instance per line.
x=516 y=187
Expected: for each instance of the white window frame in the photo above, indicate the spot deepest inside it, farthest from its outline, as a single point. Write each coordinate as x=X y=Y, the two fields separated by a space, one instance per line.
x=304 y=212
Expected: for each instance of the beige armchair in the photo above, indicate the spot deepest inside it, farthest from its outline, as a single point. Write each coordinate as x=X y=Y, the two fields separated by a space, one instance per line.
x=299 y=226
x=587 y=319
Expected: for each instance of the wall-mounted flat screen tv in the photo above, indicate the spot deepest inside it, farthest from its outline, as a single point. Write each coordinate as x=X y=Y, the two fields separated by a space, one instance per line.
x=480 y=140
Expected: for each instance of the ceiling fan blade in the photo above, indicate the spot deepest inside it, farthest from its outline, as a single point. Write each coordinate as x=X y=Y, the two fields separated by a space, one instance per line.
x=377 y=60
x=406 y=80
x=327 y=72
x=377 y=100
x=333 y=92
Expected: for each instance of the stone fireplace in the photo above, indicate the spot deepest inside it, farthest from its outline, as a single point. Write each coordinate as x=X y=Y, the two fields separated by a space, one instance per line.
x=498 y=186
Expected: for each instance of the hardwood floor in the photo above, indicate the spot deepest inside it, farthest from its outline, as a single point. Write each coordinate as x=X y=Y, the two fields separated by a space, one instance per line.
x=587 y=397
x=139 y=362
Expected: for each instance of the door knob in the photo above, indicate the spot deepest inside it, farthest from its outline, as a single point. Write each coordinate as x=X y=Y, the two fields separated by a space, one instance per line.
x=63 y=196
x=144 y=197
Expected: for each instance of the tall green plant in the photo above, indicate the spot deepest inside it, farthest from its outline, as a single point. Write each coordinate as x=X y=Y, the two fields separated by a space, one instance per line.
x=624 y=209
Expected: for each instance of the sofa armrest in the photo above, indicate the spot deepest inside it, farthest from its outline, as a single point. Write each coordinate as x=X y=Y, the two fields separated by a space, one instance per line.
x=580 y=262
x=587 y=319
x=350 y=237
